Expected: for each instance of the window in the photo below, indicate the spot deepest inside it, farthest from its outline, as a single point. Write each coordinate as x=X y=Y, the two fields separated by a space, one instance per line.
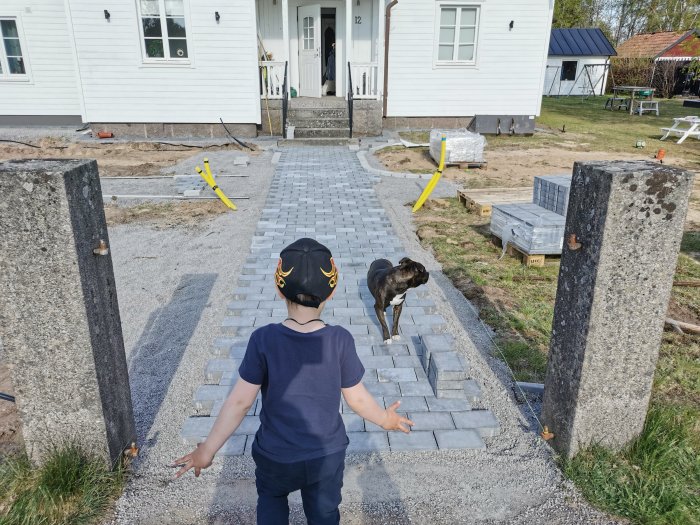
x=457 y=34
x=309 y=33
x=12 y=63
x=163 y=30
x=568 y=69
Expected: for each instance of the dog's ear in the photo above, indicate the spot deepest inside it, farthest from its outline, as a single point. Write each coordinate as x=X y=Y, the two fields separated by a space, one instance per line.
x=404 y=261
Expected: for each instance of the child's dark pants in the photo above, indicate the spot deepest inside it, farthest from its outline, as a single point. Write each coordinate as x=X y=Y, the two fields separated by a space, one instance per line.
x=319 y=480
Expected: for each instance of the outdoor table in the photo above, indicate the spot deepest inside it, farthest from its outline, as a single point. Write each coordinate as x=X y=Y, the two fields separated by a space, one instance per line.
x=692 y=131
x=632 y=90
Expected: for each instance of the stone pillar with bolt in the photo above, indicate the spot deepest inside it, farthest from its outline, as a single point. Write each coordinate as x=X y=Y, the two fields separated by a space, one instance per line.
x=623 y=229
x=59 y=317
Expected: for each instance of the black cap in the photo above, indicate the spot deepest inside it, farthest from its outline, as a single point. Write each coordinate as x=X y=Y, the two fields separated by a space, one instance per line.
x=306 y=267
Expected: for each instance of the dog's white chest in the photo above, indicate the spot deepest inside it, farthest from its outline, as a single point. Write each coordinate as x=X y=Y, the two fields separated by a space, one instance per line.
x=396 y=301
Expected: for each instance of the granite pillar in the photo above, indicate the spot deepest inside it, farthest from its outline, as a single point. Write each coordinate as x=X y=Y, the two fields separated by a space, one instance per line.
x=612 y=296
x=59 y=317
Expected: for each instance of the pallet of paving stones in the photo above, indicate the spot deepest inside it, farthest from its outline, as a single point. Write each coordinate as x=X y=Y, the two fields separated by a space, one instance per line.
x=528 y=229
x=481 y=201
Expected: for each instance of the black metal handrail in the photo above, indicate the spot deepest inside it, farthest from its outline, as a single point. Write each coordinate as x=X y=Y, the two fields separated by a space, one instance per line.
x=350 y=98
x=285 y=102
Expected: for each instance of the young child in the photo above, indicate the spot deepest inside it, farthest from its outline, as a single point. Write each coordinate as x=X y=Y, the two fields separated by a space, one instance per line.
x=302 y=365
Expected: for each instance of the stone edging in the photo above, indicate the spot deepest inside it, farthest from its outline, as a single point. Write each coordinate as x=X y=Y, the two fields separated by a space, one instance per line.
x=362 y=155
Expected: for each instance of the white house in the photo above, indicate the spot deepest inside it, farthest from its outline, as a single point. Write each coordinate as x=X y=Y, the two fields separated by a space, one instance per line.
x=578 y=62
x=169 y=66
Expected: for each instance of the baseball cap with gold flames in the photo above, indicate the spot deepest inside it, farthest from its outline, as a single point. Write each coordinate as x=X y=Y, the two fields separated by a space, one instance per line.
x=306 y=273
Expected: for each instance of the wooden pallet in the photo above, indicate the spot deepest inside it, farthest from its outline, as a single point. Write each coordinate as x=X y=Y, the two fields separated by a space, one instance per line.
x=481 y=201
x=469 y=165
x=528 y=259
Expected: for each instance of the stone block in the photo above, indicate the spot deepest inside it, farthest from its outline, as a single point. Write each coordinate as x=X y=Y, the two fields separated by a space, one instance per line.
x=394 y=375
x=458 y=439
x=390 y=349
x=483 y=421
x=353 y=423
x=414 y=440
x=448 y=366
x=472 y=391
x=367 y=442
x=216 y=367
x=59 y=316
x=436 y=404
x=612 y=298
x=431 y=420
x=416 y=388
x=234 y=446
x=408 y=403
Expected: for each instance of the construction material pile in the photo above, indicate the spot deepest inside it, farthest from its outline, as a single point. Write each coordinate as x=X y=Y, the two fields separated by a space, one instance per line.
x=462 y=146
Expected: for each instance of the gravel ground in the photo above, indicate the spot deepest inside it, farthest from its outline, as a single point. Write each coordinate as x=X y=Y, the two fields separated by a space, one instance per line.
x=173 y=289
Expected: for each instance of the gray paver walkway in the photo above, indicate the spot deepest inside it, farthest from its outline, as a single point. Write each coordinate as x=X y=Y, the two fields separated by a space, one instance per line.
x=325 y=193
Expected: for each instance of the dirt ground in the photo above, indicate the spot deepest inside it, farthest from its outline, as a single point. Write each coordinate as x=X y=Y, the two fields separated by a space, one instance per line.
x=165 y=215
x=512 y=167
x=114 y=159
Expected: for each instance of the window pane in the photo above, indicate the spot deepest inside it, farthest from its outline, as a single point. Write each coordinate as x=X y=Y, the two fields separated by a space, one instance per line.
x=16 y=66
x=466 y=53
x=151 y=27
x=445 y=52
x=311 y=32
x=448 y=17
x=447 y=35
x=307 y=22
x=0 y=68
x=178 y=48
x=9 y=28
x=154 y=48
x=176 y=27
x=12 y=47
x=149 y=7
x=174 y=8
x=467 y=35
x=468 y=17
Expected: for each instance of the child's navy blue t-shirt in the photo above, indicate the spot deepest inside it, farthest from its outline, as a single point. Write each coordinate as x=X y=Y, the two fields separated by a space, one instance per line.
x=301 y=375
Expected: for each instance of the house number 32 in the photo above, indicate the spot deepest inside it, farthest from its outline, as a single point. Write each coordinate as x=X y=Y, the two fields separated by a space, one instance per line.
x=358 y=19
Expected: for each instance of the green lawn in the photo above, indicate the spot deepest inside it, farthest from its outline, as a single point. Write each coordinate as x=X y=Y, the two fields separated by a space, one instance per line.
x=656 y=479
x=587 y=126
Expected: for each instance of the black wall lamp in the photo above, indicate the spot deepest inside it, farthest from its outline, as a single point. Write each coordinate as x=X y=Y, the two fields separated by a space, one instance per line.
x=107 y=15
x=217 y=16
x=510 y=26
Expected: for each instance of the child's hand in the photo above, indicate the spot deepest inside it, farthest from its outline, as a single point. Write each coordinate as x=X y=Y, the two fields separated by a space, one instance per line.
x=198 y=459
x=393 y=421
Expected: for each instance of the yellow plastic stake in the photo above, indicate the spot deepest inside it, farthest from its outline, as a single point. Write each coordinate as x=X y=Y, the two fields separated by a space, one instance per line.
x=209 y=179
x=435 y=178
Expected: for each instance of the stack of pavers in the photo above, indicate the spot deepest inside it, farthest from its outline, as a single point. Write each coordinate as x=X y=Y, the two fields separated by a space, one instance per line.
x=325 y=194
x=537 y=227
x=552 y=192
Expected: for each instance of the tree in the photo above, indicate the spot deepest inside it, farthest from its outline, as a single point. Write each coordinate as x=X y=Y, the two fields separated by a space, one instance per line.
x=672 y=15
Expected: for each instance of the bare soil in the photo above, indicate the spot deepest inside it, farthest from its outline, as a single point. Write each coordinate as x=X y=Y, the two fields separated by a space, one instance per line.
x=513 y=167
x=165 y=215
x=132 y=159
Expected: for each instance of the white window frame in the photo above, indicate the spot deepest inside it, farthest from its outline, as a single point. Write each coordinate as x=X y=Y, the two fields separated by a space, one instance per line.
x=6 y=76
x=439 y=6
x=167 y=60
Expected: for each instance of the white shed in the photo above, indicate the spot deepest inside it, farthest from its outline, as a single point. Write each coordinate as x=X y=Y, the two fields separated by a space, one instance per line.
x=578 y=62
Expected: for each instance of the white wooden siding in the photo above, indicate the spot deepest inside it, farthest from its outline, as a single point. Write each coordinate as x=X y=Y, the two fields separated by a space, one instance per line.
x=554 y=86
x=52 y=86
x=220 y=81
x=509 y=72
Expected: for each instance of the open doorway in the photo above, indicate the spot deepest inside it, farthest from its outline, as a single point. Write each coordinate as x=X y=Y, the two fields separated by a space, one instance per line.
x=328 y=62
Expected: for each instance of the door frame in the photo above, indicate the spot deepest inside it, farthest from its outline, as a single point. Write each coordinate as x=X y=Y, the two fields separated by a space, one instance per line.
x=340 y=42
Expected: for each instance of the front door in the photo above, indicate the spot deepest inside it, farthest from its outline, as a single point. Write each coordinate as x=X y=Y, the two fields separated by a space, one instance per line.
x=310 y=51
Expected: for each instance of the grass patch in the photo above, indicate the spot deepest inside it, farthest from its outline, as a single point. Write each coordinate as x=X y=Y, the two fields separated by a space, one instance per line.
x=72 y=486
x=589 y=127
x=656 y=479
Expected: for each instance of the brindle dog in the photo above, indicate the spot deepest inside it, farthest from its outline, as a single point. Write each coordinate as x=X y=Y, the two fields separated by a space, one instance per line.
x=389 y=284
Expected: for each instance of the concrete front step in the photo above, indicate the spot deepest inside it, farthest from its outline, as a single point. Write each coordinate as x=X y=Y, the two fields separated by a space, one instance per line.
x=316 y=122
x=283 y=143
x=322 y=133
x=318 y=113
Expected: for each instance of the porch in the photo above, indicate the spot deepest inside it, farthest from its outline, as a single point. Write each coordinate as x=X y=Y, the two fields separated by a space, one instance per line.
x=296 y=39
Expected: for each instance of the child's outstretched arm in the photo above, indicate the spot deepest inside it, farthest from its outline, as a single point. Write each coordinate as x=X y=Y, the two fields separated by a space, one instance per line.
x=365 y=406
x=232 y=412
